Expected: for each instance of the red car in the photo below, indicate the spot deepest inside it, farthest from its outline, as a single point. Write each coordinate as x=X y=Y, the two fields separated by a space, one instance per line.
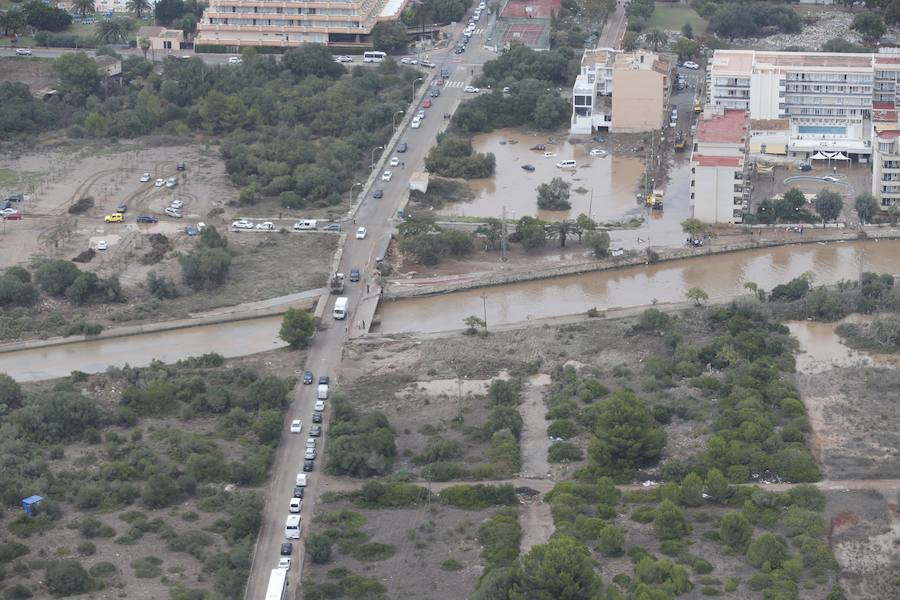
x=426 y=103
x=13 y=217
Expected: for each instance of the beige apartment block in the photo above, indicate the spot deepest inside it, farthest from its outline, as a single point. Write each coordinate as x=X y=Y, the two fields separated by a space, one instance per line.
x=720 y=166
x=290 y=23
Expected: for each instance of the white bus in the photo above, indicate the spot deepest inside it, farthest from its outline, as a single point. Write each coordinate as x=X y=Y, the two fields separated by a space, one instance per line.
x=374 y=56
x=277 y=589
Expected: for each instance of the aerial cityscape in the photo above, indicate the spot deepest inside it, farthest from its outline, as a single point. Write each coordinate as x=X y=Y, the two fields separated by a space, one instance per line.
x=450 y=299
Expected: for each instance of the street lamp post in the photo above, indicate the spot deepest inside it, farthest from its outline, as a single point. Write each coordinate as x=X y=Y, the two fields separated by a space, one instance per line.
x=372 y=161
x=394 y=120
x=413 y=98
x=484 y=304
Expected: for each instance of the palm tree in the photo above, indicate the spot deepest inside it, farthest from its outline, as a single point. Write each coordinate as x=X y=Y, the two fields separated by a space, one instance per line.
x=137 y=6
x=114 y=30
x=562 y=230
x=656 y=38
x=84 y=6
x=144 y=45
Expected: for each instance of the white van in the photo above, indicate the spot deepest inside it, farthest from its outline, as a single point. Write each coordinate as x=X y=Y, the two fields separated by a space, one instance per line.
x=306 y=225
x=566 y=164
x=340 y=308
x=301 y=479
x=292 y=527
x=322 y=392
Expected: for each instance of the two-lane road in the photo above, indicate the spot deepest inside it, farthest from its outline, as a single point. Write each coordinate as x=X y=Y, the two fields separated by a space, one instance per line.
x=324 y=357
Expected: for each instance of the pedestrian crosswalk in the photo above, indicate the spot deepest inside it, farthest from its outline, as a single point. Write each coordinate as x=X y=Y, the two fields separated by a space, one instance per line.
x=454 y=84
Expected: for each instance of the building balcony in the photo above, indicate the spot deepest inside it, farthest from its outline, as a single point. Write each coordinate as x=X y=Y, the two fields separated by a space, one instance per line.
x=287 y=4
x=207 y=28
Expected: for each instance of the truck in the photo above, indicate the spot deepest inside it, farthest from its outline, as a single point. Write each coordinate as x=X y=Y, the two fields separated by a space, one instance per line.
x=679 y=141
x=337 y=283
x=655 y=199
x=277 y=589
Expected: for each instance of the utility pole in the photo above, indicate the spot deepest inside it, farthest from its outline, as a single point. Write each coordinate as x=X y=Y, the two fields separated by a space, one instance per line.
x=503 y=235
x=484 y=304
x=591 y=206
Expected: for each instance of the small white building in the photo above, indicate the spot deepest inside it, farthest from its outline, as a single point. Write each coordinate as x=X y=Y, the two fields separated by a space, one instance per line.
x=886 y=167
x=719 y=166
x=591 y=108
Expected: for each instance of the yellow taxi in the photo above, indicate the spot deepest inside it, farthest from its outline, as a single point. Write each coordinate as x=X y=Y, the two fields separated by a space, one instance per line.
x=114 y=218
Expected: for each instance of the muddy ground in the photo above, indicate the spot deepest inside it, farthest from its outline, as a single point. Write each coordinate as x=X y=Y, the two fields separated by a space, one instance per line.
x=423 y=539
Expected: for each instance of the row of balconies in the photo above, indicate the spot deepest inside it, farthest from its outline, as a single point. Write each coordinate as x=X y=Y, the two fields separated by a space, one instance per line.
x=210 y=27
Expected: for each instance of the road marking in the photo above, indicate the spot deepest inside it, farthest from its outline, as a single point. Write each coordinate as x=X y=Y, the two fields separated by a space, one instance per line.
x=451 y=84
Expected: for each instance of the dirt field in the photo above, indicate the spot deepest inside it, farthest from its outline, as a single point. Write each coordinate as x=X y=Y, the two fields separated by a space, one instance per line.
x=33 y=72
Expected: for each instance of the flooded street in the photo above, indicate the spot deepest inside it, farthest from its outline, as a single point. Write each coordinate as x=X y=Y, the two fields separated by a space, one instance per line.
x=613 y=179
x=94 y=356
x=822 y=349
x=720 y=276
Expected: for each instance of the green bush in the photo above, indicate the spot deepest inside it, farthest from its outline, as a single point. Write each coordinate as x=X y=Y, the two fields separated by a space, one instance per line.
x=16 y=592
x=564 y=452
x=563 y=428
x=67 y=578
x=500 y=537
x=147 y=567
x=391 y=494
x=318 y=547
x=451 y=564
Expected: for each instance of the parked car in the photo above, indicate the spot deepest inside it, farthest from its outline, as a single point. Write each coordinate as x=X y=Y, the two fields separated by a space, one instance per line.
x=426 y=103
x=408 y=61
x=159 y=183
x=395 y=162
x=114 y=218
x=242 y=224
x=295 y=505
x=266 y=226
x=177 y=204
x=689 y=64
x=361 y=233
x=173 y=212
x=324 y=380
x=471 y=89
x=180 y=167
x=354 y=275
x=427 y=63
x=309 y=454
x=171 y=182
x=344 y=59
x=416 y=123
x=315 y=430
x=284 y=563
x=420 y=115
x=102 y=245
x=307 y=378
x=234 y=60
x=310 y=442
x=6 y=212
x=298 y=491
x=12 y=217
x=378 y=193
x=191 y=231
x=145 y=177
x=287 y=549
x=23 y=52
x=147 y=219
x=296 y=426
x=402 y=147
x=332 y=227
x=386 y=176
x=308 y=466
x=320 y=405
x=317 y=417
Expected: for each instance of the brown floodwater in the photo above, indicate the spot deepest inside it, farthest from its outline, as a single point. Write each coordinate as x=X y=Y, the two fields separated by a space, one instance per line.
x=613 y=179
x=94 y=356
x=821 y=348
x=720 y=275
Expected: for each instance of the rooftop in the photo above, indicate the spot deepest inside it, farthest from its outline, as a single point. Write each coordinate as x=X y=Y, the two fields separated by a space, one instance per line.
x=729 y=127
x=602 y=56
x=745 y=61
x=716 y=161
x=888 y=134
x=392 y=8
x=770 y=124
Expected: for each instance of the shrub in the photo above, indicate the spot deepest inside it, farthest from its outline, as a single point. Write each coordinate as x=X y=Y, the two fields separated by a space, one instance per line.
x=147 y=567
x=16 y=592
x=669 y=522
x=55 y=276
x=318 y=547
x=736 y=531
x=67 y=578
x=451 y=564
x=478 y=496
x=82 y=205
x=563 y=428
x=500 y=537
x=297 y=328
x=563 y=452
x=11 y=550
x=767 y=549
x=611 y=541
x=205 y=267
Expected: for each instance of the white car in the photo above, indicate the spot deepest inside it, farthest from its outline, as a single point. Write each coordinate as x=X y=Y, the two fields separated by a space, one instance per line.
x=428 y=63
x=344 y=59
x=177 y=204
x=309 y=454
x=266 y=226
x=320 y=405
x=173 y=212
x=159 y=183
x=296 y=426
x=242 y=224
x=295 y=505
x=235 y=60
x=408 y=61
x=395 y=161
x=598 y=152
x=471 y=89
x=360 y=235
x=416 y=123
x=145 y=177
x=284 y=563
x=8 y=211
x=102 y=245
x=171 y=182
x=310 y=442
x=23 y=51
x=689 y=64
x=386 y=176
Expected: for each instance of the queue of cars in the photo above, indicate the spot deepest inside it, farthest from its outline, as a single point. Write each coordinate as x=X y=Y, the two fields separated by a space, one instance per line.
x=293 y=525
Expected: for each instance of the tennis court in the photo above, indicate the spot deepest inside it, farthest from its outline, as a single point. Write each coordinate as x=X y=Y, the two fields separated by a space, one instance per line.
x=531 y=9
x=528 y=34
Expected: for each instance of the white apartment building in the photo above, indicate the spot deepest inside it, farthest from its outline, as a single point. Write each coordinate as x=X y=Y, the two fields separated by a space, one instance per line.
x=290 y=23
x=621 y=91
x=719 y=165
x=886 y=167
x=826 y=97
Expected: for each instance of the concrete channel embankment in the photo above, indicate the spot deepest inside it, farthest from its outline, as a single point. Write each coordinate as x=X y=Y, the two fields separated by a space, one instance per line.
x=397 y=289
